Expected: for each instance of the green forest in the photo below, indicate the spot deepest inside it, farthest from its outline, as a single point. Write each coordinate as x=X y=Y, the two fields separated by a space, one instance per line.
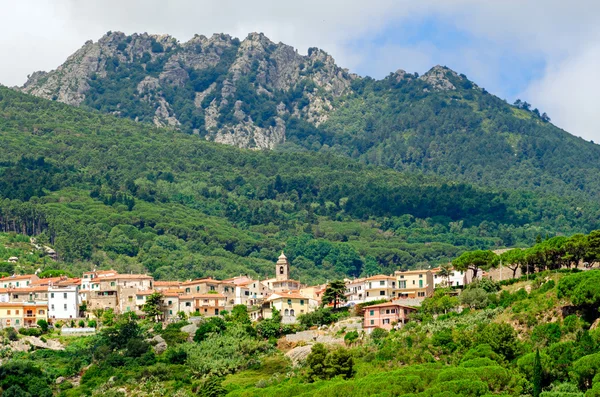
x=109 y=192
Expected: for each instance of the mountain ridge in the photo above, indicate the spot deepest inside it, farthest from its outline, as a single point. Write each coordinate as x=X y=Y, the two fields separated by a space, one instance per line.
x=257 y=94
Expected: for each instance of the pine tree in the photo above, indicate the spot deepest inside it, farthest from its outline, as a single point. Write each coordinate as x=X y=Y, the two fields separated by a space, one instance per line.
x=334 y=293
x=537 y=375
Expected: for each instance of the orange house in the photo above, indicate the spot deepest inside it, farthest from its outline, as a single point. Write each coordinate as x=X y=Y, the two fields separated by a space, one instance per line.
x=386 y=315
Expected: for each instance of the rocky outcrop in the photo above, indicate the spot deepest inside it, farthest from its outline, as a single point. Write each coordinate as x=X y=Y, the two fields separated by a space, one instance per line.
x=438 y=78
x=164 y=75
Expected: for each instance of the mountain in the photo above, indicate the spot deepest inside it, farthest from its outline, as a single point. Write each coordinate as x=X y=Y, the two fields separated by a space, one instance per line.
x=110 y=192
x=258 y=94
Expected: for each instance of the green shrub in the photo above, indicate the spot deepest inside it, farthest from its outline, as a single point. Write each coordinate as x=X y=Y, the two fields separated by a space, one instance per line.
x=43 y=324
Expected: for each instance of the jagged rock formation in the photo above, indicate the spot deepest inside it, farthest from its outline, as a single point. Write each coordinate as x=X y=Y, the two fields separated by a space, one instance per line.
x=238 y=93
x=242 y=93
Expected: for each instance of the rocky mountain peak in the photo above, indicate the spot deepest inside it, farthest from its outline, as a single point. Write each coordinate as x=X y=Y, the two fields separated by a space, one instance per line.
x=439 y=78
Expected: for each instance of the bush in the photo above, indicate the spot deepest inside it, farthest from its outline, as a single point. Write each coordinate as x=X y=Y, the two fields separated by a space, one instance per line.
x=30 y=331
x=378 y=333
x=92 y=324
x=81 y=324
x=43 y=324
x=351 y=337
x=475 y=298
x=211 y=325
x=11 y=334
x=136 y=347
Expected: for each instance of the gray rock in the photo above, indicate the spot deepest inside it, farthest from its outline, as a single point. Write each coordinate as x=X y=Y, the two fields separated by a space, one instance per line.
x=190 y=329
x=160 y=347
x=60 y=380
x=299 y=354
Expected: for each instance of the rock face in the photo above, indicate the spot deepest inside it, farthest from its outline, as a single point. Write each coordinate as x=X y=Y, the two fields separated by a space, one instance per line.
x=299 y=354
x=232 y=92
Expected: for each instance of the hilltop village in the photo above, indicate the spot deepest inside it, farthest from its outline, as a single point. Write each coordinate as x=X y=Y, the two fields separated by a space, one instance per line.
x=26 y=299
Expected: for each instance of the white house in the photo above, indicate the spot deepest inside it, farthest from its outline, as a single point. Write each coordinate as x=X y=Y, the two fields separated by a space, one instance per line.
x=63 y=302
x=355 y=291
x=455 y=279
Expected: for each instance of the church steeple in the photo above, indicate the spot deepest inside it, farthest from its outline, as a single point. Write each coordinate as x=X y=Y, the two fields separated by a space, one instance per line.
x=282 y=268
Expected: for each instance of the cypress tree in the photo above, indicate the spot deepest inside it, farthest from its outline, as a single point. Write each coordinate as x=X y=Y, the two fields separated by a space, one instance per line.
x=537 y=375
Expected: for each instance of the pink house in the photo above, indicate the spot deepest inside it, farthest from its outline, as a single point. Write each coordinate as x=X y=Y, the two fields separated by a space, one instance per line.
x=386 y=315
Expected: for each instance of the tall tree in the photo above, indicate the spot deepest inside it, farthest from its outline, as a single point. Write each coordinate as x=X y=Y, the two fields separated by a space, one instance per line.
x=475 y=261
x=153 y=306
x=513 y=259
x=335 y=292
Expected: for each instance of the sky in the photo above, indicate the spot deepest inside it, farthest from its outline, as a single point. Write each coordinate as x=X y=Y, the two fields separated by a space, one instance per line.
x=546 y=52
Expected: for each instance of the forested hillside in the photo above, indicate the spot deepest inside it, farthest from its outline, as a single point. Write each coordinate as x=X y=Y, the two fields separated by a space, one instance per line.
x=255 y=93
x=112 y=192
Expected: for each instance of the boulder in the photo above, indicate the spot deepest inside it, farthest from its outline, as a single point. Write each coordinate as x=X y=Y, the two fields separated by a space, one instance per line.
x=299 y=354
x=160 y=347
x=190 y=329
x=60 y=380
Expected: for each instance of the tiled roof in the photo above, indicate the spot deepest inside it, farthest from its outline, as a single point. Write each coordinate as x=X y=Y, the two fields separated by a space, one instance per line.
x=380 y=277
x=388 y=304
x=17 y=277
x=202 y=296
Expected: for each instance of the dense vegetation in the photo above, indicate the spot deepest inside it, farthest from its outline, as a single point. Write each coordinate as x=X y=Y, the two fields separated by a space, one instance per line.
x=110 y=192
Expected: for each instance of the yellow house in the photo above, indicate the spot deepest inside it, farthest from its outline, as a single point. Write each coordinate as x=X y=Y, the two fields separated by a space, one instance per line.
x=414 y=283
x=19 y=314
x=290 y=304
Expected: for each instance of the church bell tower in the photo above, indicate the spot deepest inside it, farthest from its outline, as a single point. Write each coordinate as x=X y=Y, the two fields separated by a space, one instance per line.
x=282 y=268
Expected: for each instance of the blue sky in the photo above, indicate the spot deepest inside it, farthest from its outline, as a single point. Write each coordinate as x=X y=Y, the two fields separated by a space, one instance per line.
x=436 y=40
x=546 y=52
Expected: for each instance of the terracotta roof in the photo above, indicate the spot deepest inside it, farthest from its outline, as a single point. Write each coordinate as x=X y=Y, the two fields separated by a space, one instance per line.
x=285 y=295
x=39 y=288
x=167 y=283
x=127 y=277
x=46 y=281
x=284 y=281
x=397 y=273
x=200 y=280
x=202 y=296
x=17 y=277
x=380 y=277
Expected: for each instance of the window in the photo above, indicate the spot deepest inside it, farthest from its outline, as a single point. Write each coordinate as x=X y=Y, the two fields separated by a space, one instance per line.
x=170 y=303
x=402 y=276
x=17 y=322
x=17 y=312
x=112 y=283
x=287 y=312
x=382 y=282
x=42 y=312
x=301 y=302
x=292 y=313
x=381 y=292
x=247 y=293
x=52 y=307
x=421 y=294
x=212 y=287
x=127 y=309
x=280 y=269
x=420 y=276
x=52 y=295
x=170 y=311
x=367 y=293
x=65 y=306
x=8 y=312
x=420 y=283
x=372 y=322
x=130 y=298
x=386 y=321
x=387 y=311
x=371 y=312
x=188 y=304
x=65 y=295
x=197 y=288
x=393 y=311
x=414 y=282
x=17 y=283
x=187 y=290
x=216 y=312
x=402 y=284
x=289 y=301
